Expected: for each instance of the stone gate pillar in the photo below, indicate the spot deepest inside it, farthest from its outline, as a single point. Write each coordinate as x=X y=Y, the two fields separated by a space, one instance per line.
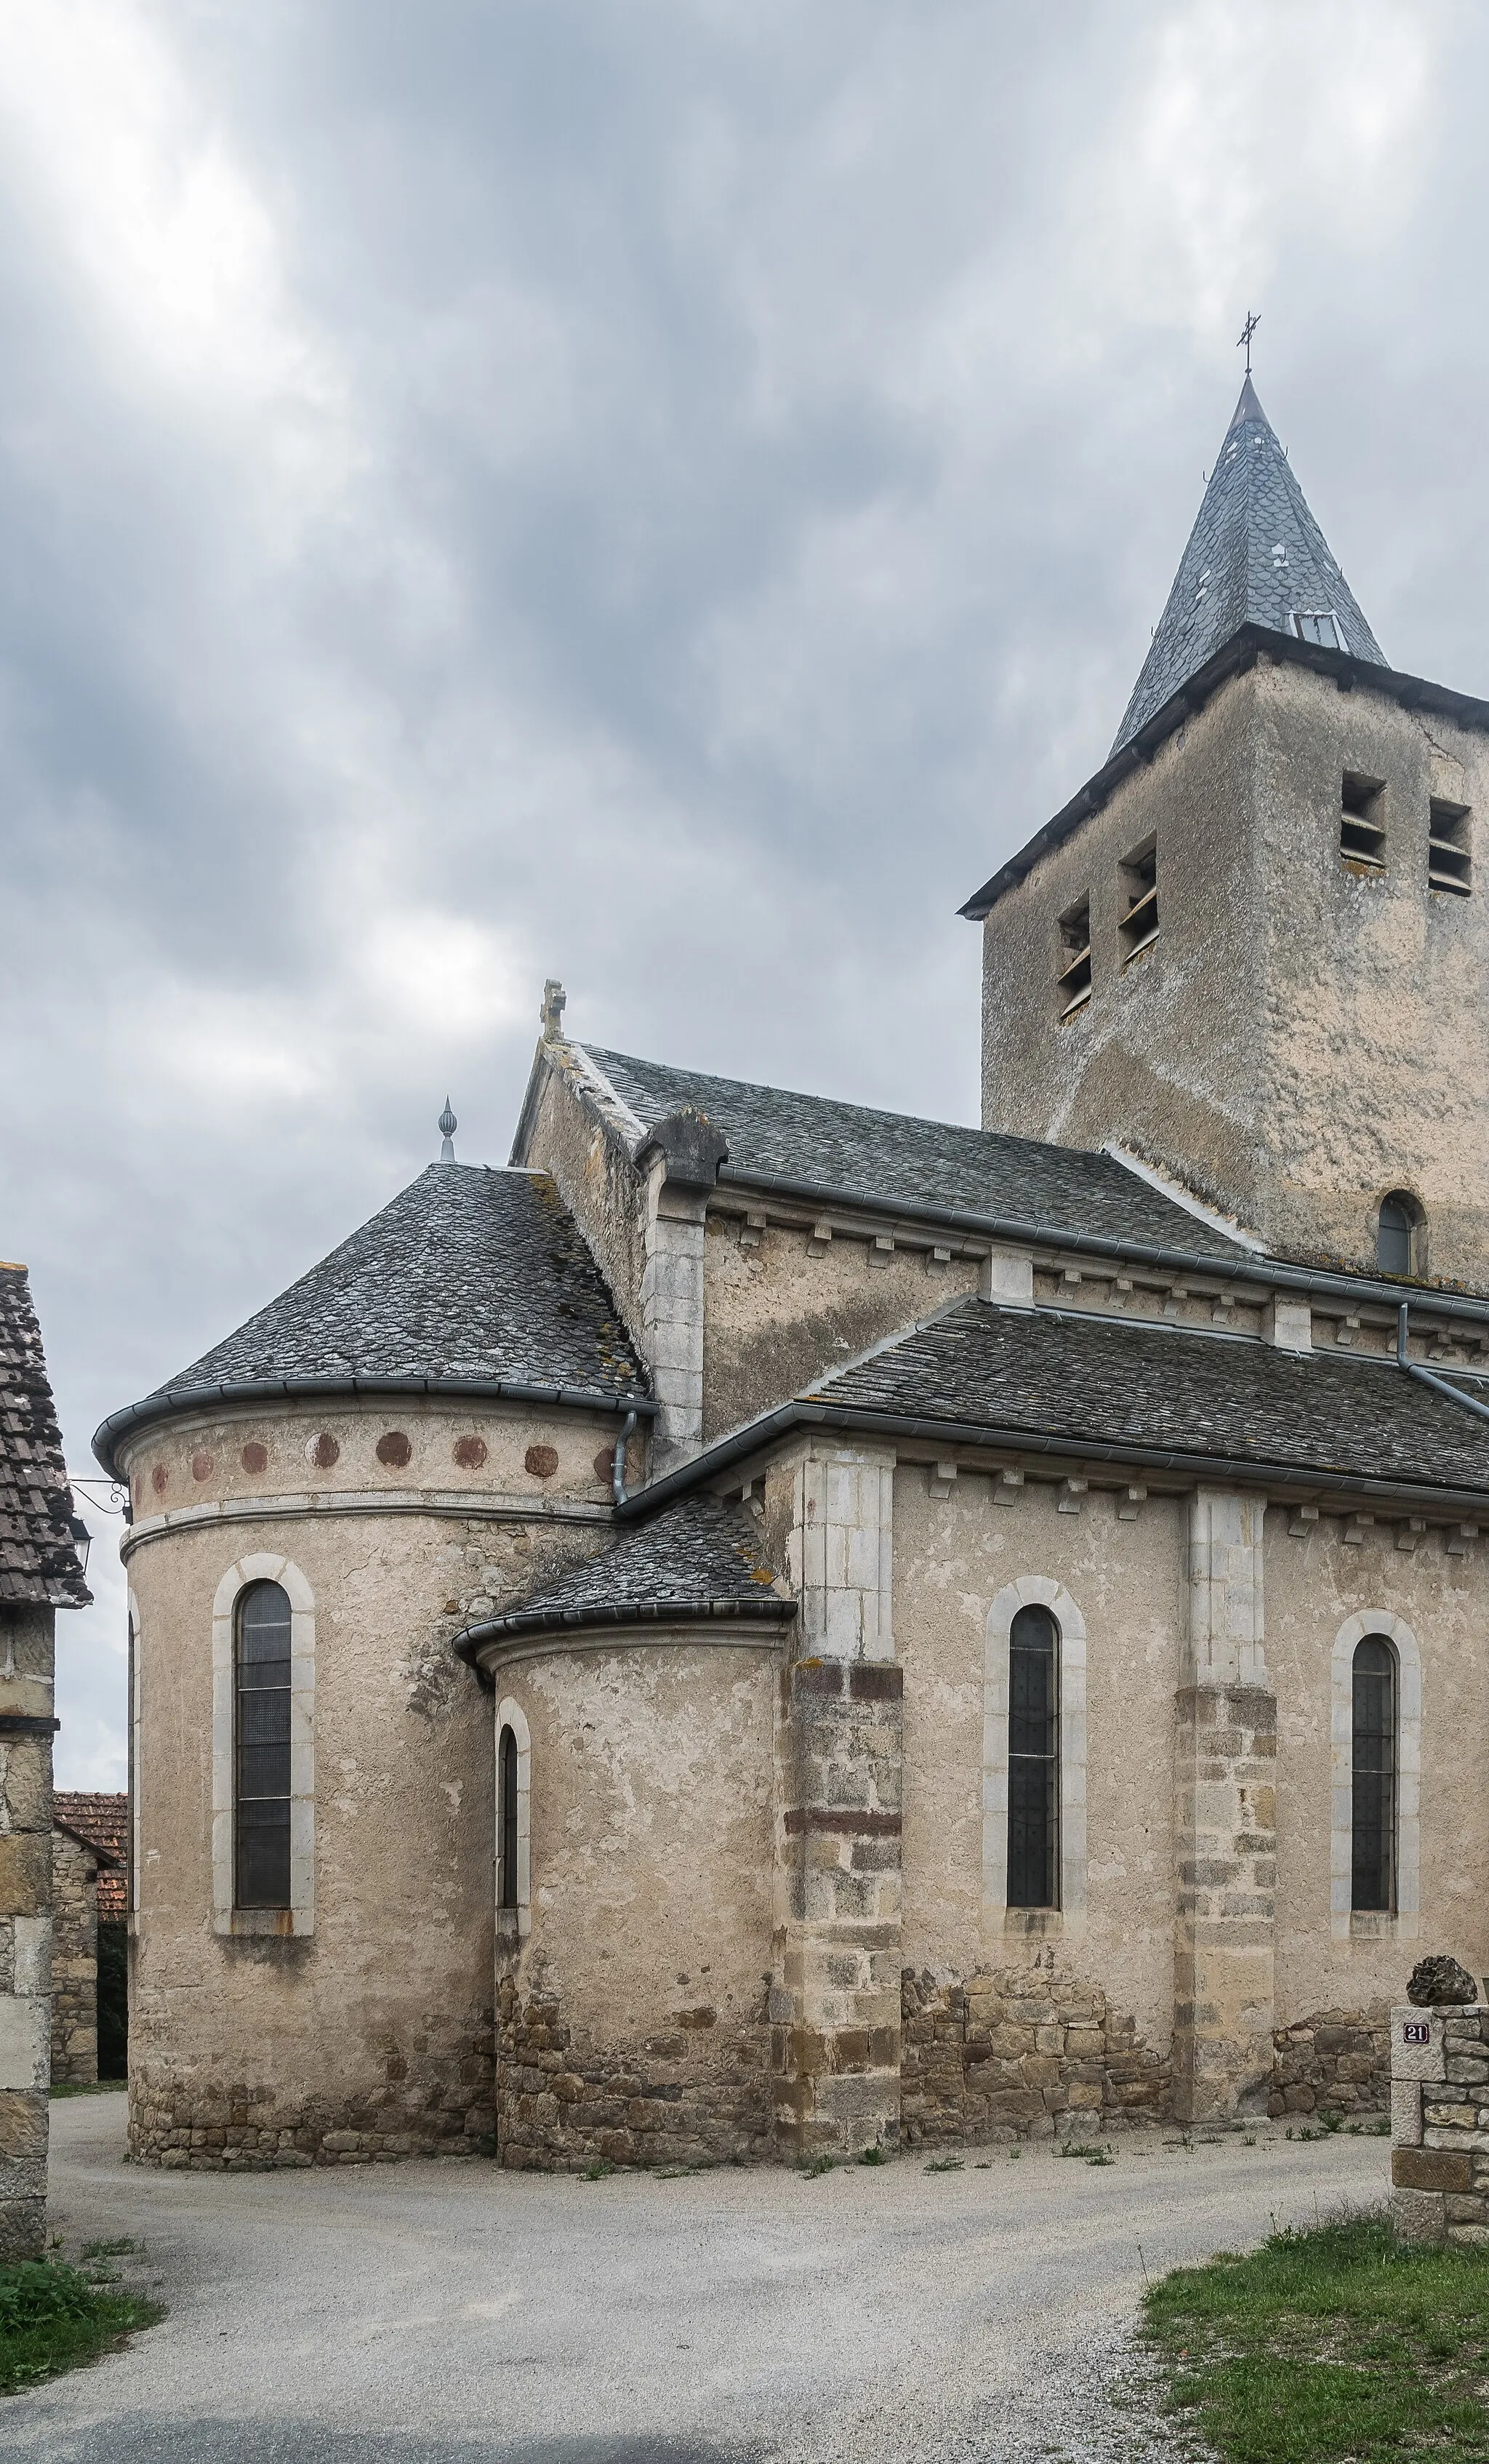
x=1439 y=2122
x=834 y=2000
x=1225 y=1772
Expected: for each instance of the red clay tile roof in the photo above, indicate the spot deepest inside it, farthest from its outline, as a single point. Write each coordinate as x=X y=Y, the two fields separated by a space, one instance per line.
x=39 y=1553
x=103 y=1822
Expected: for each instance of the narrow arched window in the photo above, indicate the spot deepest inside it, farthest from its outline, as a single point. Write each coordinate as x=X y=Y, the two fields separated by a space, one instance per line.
x=507 y=1820
x=1033 y=1760
x=1373 y=1762
x=1400 y=1241
x=261 y=1750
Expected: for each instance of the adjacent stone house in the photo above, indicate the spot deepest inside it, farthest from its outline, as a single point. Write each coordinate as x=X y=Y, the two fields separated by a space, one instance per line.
x=40 y=1571
x=770 y=1626
x=89 y=1910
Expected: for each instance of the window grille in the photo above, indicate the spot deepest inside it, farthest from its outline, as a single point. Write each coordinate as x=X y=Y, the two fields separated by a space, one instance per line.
x=1398 y=1239
x=1139 y=927
x=506 y=1825
x=1074 y=979
x=1362 y=821
x=1449 y=863
x=261 y=1799
x=1374 y=1813
x=1033 y=1760
x=1320 y=626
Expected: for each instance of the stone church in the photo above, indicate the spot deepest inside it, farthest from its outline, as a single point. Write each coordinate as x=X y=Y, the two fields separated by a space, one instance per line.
x=766 y=1627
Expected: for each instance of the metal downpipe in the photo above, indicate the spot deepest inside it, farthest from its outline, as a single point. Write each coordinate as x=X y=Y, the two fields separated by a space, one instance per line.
x=1425 y=1376
x=618 y=1470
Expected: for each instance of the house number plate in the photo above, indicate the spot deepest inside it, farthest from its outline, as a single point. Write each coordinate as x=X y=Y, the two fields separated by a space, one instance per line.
x=1417 y=2032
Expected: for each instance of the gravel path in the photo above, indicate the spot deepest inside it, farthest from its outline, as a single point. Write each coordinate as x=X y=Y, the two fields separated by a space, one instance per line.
x=445 y=2313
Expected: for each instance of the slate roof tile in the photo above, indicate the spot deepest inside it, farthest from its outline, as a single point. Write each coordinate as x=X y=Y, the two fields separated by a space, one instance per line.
x=38 y=1553
x=467 y=1274
x=852 y=1149
x=1230 y=573
x=700 y=1554
x=1098 y=1379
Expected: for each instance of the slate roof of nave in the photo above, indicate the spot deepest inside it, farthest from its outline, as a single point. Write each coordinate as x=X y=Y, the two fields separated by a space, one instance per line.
x=38 y=1552
x=1255 y=555
x=851 y=1150
x=467 y=1276
x=1076 y=1378
x=700 y=1556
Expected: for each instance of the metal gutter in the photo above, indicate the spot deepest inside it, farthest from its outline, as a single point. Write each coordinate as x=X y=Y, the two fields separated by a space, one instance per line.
x=1239 y=652
x=762 y=1606
x=1273 y=1274
x=1305 y=1480
x=169 y=1400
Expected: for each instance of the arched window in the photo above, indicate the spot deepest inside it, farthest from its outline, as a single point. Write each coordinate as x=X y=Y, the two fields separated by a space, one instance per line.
x=1373 y=1774
x=261 y=1749
x=1034 y=1760
x=513 y=1824
x=506 y=1819
x=1400 y=1239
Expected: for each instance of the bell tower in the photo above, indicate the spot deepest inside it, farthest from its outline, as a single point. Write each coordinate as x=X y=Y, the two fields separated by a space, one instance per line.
x=1250 y=950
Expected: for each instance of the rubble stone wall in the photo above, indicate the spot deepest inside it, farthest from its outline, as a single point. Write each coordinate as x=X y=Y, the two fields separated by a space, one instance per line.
x=1020 y=2052
x=75 y=1961
x=26 y=1661
x=1332 y=2061
x=179 y=2120
x=688 y=2095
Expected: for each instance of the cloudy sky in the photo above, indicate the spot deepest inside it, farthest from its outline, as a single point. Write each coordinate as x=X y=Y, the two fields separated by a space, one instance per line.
x=661 y=493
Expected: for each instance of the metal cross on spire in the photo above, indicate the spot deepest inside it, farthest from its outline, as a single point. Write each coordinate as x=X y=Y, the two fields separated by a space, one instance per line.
x=1246 y=333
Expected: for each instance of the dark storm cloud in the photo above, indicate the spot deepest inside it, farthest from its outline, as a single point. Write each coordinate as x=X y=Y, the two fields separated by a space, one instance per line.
x=664 y=495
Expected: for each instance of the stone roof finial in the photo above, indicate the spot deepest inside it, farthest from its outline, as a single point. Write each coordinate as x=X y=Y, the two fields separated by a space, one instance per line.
x=448 y=1124
x=552 y=1011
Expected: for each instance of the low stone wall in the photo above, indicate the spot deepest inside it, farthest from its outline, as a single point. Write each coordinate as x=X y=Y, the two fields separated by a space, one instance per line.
x=176 y=2122
x=1020 y=2052
x=1333 y=2061
x=683 y=2097
x=1439 y=2117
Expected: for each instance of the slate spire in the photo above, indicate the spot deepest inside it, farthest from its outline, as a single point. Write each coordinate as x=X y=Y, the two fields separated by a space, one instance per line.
x=1255 y=555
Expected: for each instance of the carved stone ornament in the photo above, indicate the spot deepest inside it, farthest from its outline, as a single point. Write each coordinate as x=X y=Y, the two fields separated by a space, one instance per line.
x=1434 y=1983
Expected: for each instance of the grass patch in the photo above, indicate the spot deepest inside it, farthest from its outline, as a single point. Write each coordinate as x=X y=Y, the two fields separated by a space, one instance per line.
x=52 y=2319
x=1339 y=2343
x=88 y=2087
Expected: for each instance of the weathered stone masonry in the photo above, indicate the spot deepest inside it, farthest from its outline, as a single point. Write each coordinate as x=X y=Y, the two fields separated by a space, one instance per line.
x=835 y=2042
x=690 y=2095
x=1022 y=2052
x=420 y=2109
x=1332 y=2061
x=1439 y=2111
x=75 y=1959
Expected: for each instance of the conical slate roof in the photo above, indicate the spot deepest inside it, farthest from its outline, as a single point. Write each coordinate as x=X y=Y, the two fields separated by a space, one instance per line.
x=469 y=1280
x=1255 y=555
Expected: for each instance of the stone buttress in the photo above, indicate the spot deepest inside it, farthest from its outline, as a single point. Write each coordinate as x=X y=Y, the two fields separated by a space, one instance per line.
x=1225 y=1774
x=834 y=2000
